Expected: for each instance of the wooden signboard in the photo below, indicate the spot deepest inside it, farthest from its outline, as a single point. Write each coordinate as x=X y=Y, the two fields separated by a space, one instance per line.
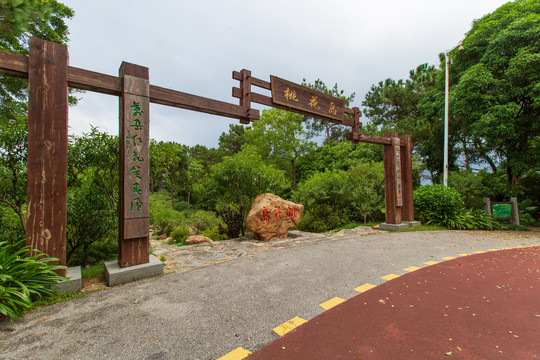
x=134 y=166
x=300 y=97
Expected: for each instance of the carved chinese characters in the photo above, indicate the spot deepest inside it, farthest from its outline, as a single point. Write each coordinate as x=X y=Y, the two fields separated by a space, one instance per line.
x=300 y=97
x=271 y=217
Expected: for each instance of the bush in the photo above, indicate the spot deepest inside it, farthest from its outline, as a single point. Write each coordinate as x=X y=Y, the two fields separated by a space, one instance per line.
x=202 y=220
x=24 y=278
x=326 y=221
x=234 y=223
x=214 y=234
x=469 y=219
x=180 y=234
x=435 y=203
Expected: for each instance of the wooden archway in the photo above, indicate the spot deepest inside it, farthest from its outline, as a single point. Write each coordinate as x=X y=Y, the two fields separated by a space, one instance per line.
x=50 y=75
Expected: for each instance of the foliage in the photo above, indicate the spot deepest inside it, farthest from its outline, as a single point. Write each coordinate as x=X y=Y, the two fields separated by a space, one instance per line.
x=495 y=97
x=180 y=234
x=470 y=219
x=325 y=197
x=25 y=275
x=367 y=188
x=92 y=226
x=341 y=156
x=413 y=106
x=280 y=137
x=435 y=203
x=469 y=186
x=333 y=132
x=214 y=234
x=234 y=223
x=231 y=143
x=238 y=179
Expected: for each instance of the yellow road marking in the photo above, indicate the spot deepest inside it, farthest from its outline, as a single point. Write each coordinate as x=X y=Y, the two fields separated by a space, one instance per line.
x=411 y=268
x=331 y=303
x=364 y=287
x=431 y=262
x=493 y=249
x=390 y=276
x=289 y=325
x=236 y=354
x=448 y=258
x=464 y=254
x=479 y=252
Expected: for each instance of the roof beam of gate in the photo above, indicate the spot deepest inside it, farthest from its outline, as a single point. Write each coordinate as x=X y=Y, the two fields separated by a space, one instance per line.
x=17 y=65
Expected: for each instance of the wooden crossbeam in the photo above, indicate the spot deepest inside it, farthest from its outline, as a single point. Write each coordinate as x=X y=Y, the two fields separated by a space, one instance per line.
x=17 y=65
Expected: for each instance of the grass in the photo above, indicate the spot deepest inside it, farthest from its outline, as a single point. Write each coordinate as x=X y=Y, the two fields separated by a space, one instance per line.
x=426 y=228
x=55 y=299
x=95 y=270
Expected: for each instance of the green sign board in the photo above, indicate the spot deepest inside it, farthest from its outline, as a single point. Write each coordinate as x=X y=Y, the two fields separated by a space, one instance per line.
x=502 y=211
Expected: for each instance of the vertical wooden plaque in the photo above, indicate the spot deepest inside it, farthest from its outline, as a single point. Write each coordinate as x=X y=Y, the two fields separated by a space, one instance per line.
x=134 y=166
x=407 y=211
x=393 y=210
x=47 y=148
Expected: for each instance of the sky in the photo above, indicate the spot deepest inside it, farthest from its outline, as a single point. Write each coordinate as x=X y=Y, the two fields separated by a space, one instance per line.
x=193 y=47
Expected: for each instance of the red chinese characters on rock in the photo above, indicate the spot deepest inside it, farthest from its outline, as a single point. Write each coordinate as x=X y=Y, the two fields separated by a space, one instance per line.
x=278 y=214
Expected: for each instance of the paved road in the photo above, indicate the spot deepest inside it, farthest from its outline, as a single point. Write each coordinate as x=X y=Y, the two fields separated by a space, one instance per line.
x=209 y=311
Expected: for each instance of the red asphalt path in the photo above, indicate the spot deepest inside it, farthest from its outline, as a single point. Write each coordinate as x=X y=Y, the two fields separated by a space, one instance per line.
x=483 y=306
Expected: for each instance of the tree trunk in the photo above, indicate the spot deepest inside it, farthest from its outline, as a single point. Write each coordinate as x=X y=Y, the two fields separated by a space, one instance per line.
x=293 y=163
x=466 y=153
x=172 y=192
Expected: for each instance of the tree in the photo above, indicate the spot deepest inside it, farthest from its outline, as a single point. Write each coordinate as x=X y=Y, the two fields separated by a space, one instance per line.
x=326 y=197
x=280 y=136
x=414 y=106
x=367 y=184
x=20 y=19
x=341 y=156
x=495 y=95
x=231 y=143
x=333 y=132
x=92 y=206
x=238 y=179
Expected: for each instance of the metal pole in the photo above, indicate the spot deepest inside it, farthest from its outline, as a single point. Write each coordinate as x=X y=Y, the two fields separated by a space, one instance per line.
x=446 y=88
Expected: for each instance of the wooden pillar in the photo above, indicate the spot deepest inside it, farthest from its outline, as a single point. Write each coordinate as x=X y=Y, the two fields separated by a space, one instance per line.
x=245 y=88
x=407 y=211
x=47 y=148
x=392 y=179
x=134 y=166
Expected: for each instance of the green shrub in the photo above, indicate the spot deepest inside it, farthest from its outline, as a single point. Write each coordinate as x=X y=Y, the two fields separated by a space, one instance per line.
x=325 y=221
x=233 y=222
x=24 y=278
x=435 y=203
x=180 y=234
x=470 y=219
x=202 y=220
x=214 y=234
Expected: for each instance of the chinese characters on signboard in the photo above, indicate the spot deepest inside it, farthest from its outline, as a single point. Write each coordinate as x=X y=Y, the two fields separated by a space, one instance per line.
x=300 y=97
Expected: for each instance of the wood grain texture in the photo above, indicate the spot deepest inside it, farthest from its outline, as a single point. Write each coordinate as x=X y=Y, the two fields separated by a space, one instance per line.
x=407 y=211
x=134 y=123
x=393 y=212
x=47 y=148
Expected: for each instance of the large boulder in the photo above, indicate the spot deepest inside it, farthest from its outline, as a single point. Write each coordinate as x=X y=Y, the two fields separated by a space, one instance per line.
x=271 y=217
